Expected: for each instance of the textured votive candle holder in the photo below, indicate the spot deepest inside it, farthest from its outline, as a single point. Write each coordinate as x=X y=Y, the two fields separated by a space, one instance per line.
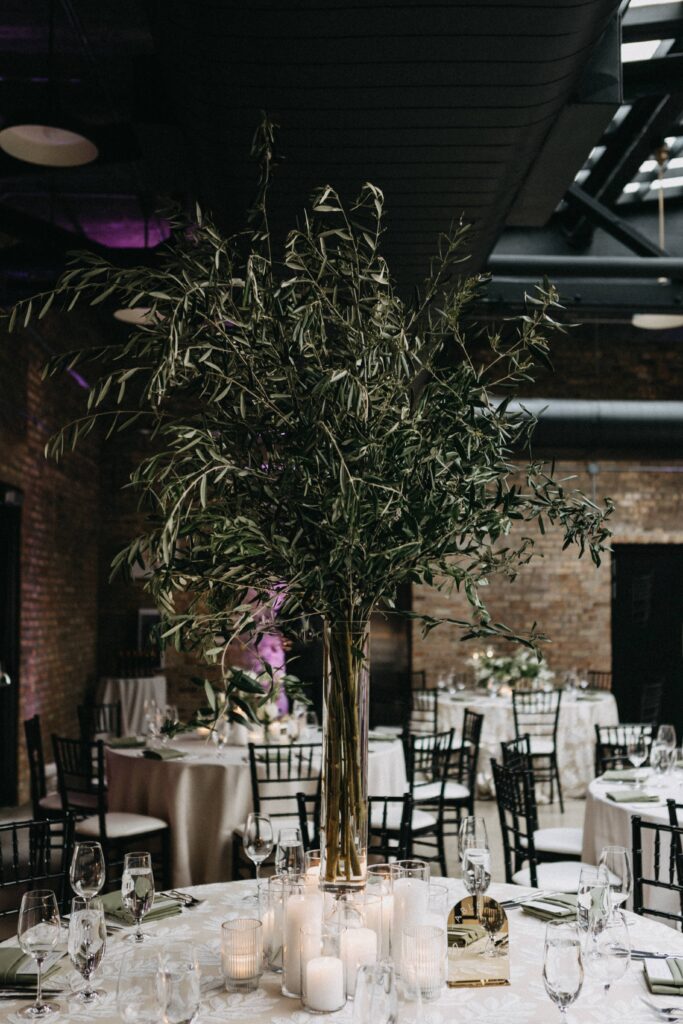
x=424 y=955
x=242 y=954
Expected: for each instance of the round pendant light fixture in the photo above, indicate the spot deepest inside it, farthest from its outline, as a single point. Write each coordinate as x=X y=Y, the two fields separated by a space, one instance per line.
x=47 y=146
x=659 y=321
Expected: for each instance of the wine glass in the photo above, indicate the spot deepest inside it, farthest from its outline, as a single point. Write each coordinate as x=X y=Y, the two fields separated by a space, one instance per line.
x=666 y=734
x=180 y=977
x=637 y=752
x=38 y=932
x=88 y=872
x=87 y=943
x=141 y=988
x=472 y=831
x=137 y=888
x=219 y=735
x=617 y=862
x=476 y=866
x=289 y=855
x=608 y=952
x=257 y=839
x=592 y=899
x=659 y=759
x=492 y=917
x=562 y=964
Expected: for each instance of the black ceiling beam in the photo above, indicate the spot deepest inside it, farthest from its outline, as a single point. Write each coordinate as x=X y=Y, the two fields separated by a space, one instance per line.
x=670 y=267
x=653 y=77
x=661 y=21
x=599 y=215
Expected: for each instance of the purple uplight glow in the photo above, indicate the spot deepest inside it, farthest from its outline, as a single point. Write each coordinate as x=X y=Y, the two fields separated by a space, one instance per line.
x=127 y=232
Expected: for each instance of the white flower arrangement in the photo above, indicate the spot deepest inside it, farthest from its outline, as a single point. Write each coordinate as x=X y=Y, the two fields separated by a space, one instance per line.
x=511 y=669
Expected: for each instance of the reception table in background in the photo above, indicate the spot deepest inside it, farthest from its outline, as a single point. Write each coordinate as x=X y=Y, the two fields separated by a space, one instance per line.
x=579 y=714
x=523 y=1001
x=205 y=795
x=133 y=692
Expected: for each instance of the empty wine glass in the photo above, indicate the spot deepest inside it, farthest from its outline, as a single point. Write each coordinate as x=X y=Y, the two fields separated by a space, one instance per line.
x=666 y=734
x=257 y=839
x=180 y=974
x=617 y=862
x=472 y=831
x=607 y=953
x=220 y=734
x=87 y=873
x=141 y=988
x=289 y=855
x=592 y=899
x=137 y=888
x=637 y=752
x=492 y=917
x=659 y=759
x=87 y=943
x=562 y=964
x=38 y=932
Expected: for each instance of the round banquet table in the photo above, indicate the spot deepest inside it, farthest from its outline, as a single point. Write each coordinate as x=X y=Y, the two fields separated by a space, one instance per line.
x=524 y=1001
x=133 y=692
x=575 y=733
x=607 y=823
x=204 y=796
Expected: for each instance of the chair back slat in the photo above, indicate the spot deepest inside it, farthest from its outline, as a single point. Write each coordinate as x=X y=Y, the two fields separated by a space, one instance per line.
x=427 y=760
x=34 y=854
x=518 y=818
x=277 y=773
x=659 y=845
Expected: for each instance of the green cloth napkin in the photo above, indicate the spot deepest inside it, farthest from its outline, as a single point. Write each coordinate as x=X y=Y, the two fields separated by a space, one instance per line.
x=589 y=696
x=565 y=903
x=632 y=796
x=668 y=988
x=465 y=934
x=113 y=907
x=124 y=742
x=163 y=754
x=382 y=737
x=12 y=960
x=621 y=775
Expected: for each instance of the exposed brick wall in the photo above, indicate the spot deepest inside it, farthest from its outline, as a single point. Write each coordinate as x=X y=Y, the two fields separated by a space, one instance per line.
x=59 y=539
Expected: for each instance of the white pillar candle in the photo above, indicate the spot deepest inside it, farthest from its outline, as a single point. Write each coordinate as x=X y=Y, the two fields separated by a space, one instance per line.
x=411 y=897
x=324 y=984
x=300 y=910
x=358 y=946
x=387 y=918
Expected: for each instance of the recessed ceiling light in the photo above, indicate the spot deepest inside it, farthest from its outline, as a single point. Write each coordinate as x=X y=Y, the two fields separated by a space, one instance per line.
x=633 y=186
x=657 y=321
x=47 y=146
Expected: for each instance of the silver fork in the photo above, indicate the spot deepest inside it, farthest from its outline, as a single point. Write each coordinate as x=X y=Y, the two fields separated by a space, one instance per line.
x=669 y=1012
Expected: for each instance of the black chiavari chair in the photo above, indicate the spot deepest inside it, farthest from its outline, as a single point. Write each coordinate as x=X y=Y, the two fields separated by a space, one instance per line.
x=427 y=764
x=536 y=714
x=33 y=855
x=44 y=804
x=612 y=742
x=98 y=721
x=599 y=680
x=658 y=845
x=424 y=714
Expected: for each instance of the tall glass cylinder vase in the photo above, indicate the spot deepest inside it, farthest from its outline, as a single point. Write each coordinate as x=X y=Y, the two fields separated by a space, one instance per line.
x=344 y=806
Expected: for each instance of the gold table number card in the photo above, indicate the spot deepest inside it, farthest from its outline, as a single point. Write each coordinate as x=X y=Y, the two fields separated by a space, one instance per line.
x=478 y=950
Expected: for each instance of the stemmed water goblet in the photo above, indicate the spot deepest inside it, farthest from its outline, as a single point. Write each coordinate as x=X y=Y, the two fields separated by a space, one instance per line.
x=616 y=860
x=137 y=888
x=607 y=952
x=476 y=863
x=257 y=840
x=87 y=872
x=87 y=943
x=289 y=854
x=38 y=932
x=562 y=964
x=637 y=753
x=592 y=899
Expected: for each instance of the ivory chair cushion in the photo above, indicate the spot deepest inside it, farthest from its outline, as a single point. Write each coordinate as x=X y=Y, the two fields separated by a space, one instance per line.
x=559 y=840
x=120 y=825
x=562 y=876
x=453 y=791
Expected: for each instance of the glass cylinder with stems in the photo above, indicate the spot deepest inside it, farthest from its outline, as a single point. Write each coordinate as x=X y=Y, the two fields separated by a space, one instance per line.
x=289 y=853
x=257 y=839
x=38 y=931
x=562 y=964
x=87 y=872
x=137 y=888
x=344 y=781
x=87 y=943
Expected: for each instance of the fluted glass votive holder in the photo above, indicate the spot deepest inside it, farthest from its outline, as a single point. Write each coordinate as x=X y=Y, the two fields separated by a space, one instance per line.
x=424 y=955
x=242 y=954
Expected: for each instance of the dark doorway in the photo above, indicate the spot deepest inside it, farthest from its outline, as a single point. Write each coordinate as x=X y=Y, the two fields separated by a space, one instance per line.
x=647 y=627
x=10 y=533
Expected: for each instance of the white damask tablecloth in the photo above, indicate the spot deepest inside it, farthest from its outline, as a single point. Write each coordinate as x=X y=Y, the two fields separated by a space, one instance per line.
x=575 y=733
x=607 y=823
x=524 y=1001
x=205 y=796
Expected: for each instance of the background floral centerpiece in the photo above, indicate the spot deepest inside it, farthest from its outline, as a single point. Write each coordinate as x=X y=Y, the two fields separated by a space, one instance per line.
x=522 y=667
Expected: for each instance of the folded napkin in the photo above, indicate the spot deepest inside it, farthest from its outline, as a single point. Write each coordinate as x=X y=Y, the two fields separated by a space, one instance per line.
x=163 y=753
x=589 y=696
x=632 y=796
x=125 y=742
x=465 y=934
x=382 y=737
x=552 y=908
x=621 y=775
x=113 y=907
x=669 y=987
x=19 y=970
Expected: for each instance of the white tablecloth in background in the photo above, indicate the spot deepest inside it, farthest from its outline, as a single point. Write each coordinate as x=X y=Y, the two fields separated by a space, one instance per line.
x=133 y=692
x=204 y=797
x=524 y=1001
x=575 y=733
x=607 y=823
